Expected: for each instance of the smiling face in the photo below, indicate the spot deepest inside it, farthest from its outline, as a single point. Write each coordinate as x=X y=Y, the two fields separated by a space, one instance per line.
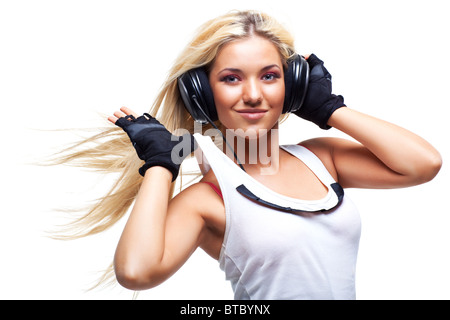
x=247 y=81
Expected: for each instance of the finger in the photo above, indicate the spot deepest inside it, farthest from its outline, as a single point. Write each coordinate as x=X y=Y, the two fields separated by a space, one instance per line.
x=119 y=114
x=116 y=116
x=128 y=112
x=313 y=60
x=112 y=119
x=307 y=56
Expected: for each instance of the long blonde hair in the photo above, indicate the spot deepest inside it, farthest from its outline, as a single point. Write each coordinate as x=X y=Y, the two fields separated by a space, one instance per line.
x=111 y=151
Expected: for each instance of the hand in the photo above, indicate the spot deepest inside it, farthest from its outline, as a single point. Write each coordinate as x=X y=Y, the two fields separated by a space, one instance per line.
x=319 y=102
x=153 y=142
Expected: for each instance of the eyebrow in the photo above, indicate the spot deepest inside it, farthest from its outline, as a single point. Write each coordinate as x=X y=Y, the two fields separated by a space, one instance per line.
x=239 y=70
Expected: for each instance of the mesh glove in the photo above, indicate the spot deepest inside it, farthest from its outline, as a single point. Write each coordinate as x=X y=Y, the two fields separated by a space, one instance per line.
x=319 y=102
x=155 y=144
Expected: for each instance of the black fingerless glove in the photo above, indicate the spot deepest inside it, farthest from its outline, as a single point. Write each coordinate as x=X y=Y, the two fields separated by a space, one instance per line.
x=319 y=102
x=155 y=144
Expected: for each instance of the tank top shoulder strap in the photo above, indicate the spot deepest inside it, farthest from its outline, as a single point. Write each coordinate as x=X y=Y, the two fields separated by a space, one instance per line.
x=209 y=157
x=311 y=161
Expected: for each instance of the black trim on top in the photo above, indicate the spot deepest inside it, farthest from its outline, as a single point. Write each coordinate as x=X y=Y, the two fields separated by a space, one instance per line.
x=242 y=189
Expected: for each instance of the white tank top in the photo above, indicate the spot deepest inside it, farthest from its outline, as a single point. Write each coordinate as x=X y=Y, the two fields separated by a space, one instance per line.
x=269 y=254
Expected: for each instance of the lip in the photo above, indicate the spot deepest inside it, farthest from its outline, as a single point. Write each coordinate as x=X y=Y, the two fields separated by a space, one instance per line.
x=252 y=114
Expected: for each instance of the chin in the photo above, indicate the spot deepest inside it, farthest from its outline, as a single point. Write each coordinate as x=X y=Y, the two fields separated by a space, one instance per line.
x=251 y=132
x=250 y=129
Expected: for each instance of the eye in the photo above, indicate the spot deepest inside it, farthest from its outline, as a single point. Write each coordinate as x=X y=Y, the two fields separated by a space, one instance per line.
x=270 y=76
x=231 y=78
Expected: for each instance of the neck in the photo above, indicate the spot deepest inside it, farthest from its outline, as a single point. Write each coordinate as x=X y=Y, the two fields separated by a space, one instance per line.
x=258 y=151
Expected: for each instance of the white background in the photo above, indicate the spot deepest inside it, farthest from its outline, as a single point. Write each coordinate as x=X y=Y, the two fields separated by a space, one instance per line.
x=62 y=62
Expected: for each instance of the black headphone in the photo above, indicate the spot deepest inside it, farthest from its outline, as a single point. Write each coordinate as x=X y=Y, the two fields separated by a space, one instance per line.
x=199 y=100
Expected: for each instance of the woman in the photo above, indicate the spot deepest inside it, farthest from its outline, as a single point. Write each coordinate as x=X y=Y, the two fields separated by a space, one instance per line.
x=281 y=228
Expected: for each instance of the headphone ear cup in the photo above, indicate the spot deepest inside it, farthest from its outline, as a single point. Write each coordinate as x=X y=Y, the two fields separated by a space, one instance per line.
x=197 y=95
x=288 y=81
x=296 y=79
x=207 y=96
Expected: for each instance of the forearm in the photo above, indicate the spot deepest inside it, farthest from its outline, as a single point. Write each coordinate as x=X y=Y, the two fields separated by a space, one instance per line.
x=141 y=245
x=399 y=149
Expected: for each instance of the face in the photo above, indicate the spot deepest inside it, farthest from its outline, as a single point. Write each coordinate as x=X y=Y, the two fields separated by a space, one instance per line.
x=247 y=81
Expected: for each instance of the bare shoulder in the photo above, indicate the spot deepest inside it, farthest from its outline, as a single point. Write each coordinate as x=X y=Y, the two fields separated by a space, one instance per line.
x=202 y=200
x=198 y=197
x=327 y=144
x=199 y=202
x=326 y=147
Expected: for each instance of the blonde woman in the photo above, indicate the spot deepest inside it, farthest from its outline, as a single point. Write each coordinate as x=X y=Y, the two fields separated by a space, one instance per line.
x=275 y=217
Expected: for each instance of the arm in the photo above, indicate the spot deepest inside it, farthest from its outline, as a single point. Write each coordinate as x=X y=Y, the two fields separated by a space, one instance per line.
x=388 y=156
x=159 y=235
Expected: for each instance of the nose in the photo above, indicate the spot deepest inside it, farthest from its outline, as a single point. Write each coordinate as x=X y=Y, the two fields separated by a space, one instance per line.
x=252 y=94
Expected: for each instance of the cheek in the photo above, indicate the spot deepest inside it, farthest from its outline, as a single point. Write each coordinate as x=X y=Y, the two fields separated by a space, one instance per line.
x=275 y=96
x=225 y=98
